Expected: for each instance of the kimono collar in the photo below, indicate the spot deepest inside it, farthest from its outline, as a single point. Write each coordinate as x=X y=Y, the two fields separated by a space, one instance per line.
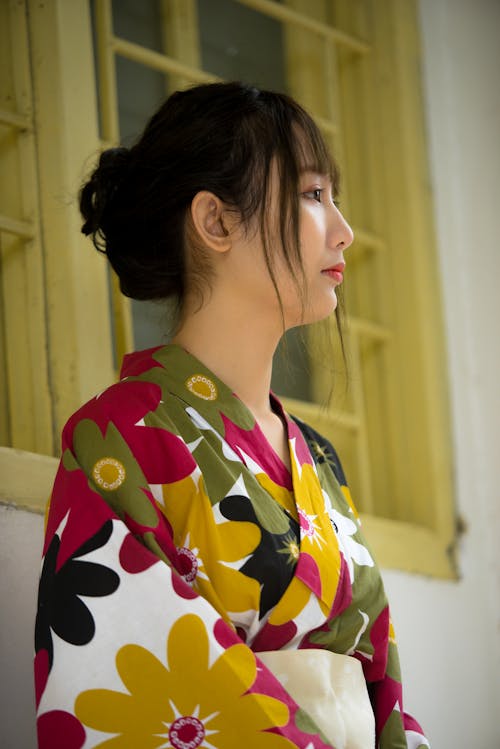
x=208 y=399
x=212 y=405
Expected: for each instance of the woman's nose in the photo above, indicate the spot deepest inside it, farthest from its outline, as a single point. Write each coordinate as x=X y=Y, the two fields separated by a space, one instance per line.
x=342 y=235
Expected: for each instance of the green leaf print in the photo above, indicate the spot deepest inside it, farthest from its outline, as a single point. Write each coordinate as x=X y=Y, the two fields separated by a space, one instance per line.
x=113 y=471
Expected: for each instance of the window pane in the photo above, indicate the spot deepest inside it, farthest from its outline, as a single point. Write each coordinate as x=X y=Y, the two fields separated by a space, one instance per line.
x=140 y=91
x=138 y=22
x=238 y=43
x=291 y=368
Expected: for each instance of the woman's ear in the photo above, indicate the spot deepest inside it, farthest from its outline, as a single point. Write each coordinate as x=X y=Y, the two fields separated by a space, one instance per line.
x=207 y=215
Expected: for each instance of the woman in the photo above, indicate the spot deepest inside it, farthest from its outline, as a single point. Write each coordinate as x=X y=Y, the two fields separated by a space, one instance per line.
x=203 y=559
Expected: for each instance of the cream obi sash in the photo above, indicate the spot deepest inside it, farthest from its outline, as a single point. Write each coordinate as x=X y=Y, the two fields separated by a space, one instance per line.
x=332 y=689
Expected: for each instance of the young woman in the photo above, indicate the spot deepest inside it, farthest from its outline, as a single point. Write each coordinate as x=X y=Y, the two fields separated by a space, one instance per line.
x=203 y=564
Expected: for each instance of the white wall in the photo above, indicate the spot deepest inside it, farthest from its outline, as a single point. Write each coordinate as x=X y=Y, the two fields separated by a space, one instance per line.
x=450 y=632
x=21 y=536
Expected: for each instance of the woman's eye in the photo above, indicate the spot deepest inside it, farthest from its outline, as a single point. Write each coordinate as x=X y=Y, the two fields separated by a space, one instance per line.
x=314 y=194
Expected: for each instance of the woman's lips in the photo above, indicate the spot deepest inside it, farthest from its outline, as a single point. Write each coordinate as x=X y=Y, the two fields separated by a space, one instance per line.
x=336 y=272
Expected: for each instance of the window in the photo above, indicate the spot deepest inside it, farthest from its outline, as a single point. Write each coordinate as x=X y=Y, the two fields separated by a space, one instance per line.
x=355 y=67
x=55 y=336
x=25 y=420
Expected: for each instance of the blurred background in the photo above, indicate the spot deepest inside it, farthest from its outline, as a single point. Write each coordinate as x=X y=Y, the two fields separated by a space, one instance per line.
x=406 y=93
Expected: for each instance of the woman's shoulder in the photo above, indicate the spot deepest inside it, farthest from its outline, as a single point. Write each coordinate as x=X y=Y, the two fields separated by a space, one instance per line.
x=125 y=402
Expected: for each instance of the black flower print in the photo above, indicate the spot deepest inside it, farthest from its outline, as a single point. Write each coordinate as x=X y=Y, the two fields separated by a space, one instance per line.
x=273 y=561
x=59 y=607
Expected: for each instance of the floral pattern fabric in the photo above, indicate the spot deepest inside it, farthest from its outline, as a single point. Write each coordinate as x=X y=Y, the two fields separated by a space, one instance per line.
x=178 y=546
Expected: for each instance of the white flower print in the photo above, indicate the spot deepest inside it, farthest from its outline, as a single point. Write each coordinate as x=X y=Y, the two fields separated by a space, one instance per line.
x=351 y=549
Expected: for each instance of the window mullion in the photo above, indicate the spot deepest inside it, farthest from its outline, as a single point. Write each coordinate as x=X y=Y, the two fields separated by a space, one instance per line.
x=298 y=14
x=110 y=131
x=75 y=277
x=181 y=39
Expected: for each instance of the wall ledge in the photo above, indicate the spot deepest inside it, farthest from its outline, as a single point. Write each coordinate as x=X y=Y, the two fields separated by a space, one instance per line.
x=27 y=479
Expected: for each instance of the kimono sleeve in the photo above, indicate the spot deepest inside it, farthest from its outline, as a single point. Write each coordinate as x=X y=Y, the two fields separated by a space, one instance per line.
x=127 y=653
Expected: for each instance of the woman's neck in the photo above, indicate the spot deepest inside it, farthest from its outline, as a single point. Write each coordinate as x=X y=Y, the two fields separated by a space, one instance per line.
x=236 y=347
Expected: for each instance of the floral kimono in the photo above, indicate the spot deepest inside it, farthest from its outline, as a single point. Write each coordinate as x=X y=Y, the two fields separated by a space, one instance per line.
x=178 y=546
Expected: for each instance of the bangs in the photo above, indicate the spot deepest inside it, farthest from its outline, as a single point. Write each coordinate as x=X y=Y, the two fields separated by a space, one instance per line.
x=288 y=134
x=311 y=152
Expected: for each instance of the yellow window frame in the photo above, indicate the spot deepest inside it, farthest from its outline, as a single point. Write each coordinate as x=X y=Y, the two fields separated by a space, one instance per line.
x=76 y=304
x=55 y=342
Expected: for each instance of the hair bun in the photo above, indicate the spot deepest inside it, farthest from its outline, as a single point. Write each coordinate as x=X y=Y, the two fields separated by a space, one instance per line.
x=98 y=192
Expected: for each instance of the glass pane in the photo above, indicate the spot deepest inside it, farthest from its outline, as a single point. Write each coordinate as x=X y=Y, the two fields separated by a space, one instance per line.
x=152 y=323
x=138 y=22
x=140 y=92
x=291 y=368
x=238 y=43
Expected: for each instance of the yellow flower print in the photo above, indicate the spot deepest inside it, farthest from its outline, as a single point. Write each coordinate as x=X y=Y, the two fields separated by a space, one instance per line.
x=317 y=541
x=211 y=552
x=320 y=451
x=317 y=536
x=291 y=549
x=202 y=386
x=294 y=601
x=109 y=473
x=312 y=513
x=281 y=494
x=185 y=703
x=392 y=633
x=310 y=528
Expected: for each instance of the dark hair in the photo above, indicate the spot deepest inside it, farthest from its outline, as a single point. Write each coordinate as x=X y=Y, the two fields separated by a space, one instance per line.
x=220 y=137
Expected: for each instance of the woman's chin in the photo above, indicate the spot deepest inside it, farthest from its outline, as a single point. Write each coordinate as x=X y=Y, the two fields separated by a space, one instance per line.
x=315 y=313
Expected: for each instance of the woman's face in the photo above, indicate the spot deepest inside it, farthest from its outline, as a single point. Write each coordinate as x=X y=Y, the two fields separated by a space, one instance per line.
x=324 y=236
